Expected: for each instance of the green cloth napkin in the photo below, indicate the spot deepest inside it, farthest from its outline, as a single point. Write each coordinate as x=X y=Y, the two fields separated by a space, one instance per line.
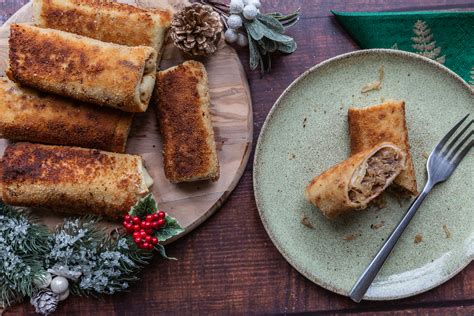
x=447 y=37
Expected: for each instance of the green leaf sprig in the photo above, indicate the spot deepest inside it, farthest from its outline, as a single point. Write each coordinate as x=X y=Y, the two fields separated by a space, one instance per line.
x=266 y=36
x=265 y=33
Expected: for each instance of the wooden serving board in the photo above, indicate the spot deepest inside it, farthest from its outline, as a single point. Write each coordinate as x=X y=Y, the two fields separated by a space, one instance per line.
x=231 y=110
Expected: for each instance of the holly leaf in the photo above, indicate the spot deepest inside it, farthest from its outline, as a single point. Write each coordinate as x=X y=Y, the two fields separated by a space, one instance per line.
x=146 y=205
x=171 y=229
x=161 y=250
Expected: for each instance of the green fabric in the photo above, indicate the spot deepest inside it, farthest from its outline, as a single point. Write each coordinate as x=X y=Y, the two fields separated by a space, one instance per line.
x=447 y=37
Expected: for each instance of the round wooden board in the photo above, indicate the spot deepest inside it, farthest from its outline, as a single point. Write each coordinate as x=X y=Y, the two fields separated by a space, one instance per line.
x=231 y=110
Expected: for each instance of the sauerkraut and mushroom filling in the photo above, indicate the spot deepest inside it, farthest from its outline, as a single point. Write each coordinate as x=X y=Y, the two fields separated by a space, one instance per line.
x=375 y=174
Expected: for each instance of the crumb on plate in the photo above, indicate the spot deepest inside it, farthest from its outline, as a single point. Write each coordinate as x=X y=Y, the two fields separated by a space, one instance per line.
x=305 y=221
x=377 y=226
x=350 y=237
x=447 y=231
x=418 y=238
x=377 y=84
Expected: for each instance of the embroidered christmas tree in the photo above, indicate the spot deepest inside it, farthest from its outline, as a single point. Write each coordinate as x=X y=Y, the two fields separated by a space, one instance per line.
x=424 y=42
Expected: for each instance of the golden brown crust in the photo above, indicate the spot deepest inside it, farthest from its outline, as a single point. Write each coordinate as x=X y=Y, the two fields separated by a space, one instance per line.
x=79 y=67
x=329 y=190
x=105 y=20
x=26 y=115
x=384 y=122
x=71 y=179
x=189 y=148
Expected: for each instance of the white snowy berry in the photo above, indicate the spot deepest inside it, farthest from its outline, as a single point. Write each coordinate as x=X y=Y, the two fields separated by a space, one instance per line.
x=230 y=36
x=64 y=295
x=256 y=3
x=234 y=21
x=236 y=6
x=250 y=12
x=242 y=40
x=59 y=285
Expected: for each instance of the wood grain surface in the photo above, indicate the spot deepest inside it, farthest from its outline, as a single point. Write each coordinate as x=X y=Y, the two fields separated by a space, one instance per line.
x=231 y=111
x=228 y=265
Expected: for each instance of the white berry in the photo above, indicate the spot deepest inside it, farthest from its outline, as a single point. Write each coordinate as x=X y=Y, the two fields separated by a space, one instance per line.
x=43 y=281
x=256 y=3
x=230 y=36
x=64 y=295
x=59 y=285
x=242 y=40
x=250 y=12
x=236 y=6
x=234 y=21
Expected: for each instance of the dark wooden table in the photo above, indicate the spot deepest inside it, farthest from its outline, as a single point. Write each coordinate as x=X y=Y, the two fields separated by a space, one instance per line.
x=229 y=265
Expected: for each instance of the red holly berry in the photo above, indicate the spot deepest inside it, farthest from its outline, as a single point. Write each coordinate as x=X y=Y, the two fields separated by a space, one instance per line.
x=136 y=228
x=143 y=224
x=149 y=231
x=161 y=222
x=136 y=235
x=161 y=214
x=154 y=225
x=127 y=218
x=129 y=228
x=143 y=233
x=154 y=241
x=137 y=240
x=149 y=218
x=145 y=245
x=148 y=238
x=150 y=247
x=125 y=223
x=155 y=216
x=136 y=220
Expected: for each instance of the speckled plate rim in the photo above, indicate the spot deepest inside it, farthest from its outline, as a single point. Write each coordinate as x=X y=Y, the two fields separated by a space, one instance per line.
x=325 y=63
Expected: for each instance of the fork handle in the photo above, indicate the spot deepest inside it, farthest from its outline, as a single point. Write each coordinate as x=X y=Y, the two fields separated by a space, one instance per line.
x=365 y=280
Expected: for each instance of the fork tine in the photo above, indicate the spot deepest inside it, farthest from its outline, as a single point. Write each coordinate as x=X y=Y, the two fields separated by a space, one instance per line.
x=443 y=141
x=463 y=153
x=458 y=147
x=453 y=142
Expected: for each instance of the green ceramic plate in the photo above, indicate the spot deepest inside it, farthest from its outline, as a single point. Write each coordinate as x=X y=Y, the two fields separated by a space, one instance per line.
x=306 y=132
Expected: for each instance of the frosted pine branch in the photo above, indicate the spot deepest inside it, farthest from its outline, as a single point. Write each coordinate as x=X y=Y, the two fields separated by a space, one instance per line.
x=424 y=42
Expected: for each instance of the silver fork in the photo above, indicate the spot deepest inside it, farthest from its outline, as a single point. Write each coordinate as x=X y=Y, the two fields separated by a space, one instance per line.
x=441 y=163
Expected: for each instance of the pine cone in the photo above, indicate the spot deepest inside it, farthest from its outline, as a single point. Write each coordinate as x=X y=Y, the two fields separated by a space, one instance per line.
x=196 y=29
x=45 y=301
